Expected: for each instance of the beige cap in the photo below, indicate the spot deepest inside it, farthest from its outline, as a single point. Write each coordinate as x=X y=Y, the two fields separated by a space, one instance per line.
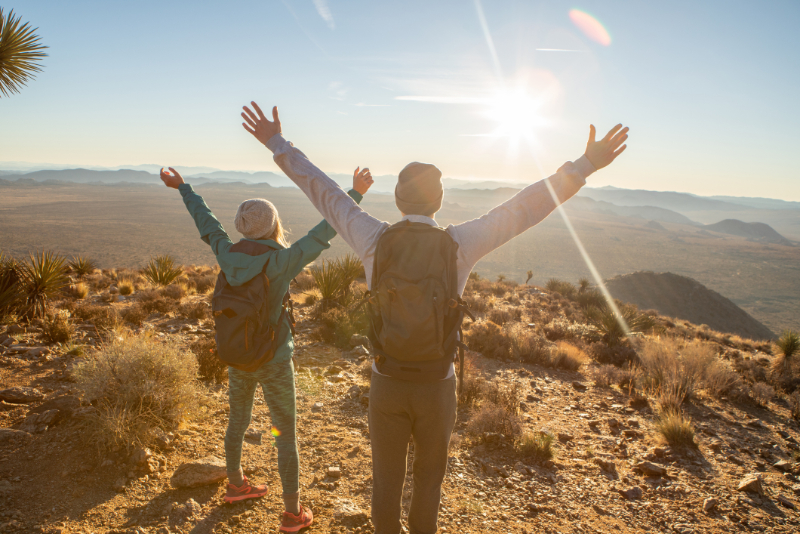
x=256 y=218
x=419 y=189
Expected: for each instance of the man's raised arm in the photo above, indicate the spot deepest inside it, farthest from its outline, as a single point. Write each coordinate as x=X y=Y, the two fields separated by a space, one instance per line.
x=358 y=229
x=533 y=204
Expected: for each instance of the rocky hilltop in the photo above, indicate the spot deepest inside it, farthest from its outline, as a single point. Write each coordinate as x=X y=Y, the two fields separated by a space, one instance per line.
x=564 y=423
x=755 y=231
x=685 y=298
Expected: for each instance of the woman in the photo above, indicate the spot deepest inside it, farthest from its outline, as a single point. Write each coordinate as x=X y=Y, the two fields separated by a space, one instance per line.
x=258 y=220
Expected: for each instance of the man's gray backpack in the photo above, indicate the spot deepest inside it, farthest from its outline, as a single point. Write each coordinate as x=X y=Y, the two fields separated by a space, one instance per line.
x=414 y=306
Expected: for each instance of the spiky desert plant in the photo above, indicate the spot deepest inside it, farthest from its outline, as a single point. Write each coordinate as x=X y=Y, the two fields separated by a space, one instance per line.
x=82 y=266
x=563 y=287
x=162 y=271
x=20 y=53
x=529 y=276
x=10 y=288
x=675 y=427
x=329 y=280
x=536 y=445
x=43 y=277
x=788 y=346
x=609 y=325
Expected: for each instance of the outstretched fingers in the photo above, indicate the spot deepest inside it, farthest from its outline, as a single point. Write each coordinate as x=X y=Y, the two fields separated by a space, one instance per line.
x=250 y=113
x=258 y=110
x=275 y=114
x=249 y=129
x=611 y=132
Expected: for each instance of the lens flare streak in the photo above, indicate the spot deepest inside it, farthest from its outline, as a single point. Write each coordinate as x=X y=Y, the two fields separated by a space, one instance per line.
x=590 y=26
x=586 y=258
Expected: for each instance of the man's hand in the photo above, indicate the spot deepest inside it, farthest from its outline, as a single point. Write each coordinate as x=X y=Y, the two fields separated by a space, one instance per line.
x=258 y=125
x=171 y=180
x=362 y=180
x=601 y=153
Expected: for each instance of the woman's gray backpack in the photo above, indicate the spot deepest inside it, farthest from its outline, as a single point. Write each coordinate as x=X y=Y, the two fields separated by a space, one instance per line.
x=245 y=337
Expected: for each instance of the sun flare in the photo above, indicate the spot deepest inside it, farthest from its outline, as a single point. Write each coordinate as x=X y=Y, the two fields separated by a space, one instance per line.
x=517 y=114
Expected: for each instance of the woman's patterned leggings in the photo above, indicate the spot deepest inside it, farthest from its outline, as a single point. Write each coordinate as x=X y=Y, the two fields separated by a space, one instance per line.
x=277 y=383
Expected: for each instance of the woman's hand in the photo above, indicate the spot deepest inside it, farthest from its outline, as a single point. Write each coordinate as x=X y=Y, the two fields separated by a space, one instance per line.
x=601 y=153
x=258 y=125
x=171 y=180
x=362 y=180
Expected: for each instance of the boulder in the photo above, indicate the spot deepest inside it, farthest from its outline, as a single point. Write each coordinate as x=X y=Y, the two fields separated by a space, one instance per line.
x=40 y=422
x=9 y=436
x=208 y=470
x=751 y=483
x=783 y=465
x=21 y=395
x=65 y=404
x=357 y=340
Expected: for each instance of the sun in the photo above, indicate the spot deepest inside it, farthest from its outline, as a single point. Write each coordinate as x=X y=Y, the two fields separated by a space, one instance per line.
x=517 y=114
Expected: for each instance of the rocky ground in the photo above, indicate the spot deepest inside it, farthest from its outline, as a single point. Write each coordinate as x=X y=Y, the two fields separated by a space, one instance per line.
x=611 y=472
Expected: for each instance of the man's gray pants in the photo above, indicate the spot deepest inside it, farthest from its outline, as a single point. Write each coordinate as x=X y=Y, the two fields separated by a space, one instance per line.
x=399 y=410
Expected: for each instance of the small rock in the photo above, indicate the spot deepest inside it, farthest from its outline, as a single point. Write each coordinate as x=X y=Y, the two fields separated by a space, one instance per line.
x=632 y=494
x=364 y=399
x=357 y=340
x=354 y=392
x=334 y=472
x=206 y=470
x=710 y=504
x=563 y=437
x=786 y=502
x=21 y=395
x=40 y=422
x=119 y=485
x=579 y=386
x=605 y=465
x=783 y=465
x=751 y=483
x=140 y=456
x=15 y=329
x=354 y=452
x=613 y=423
x=633 y=434
x=650 y=469
x=253 y=436
x=594 y=423
x=348 y=513
x=335 y=378
x=317 y=406
x=186 y=511
x=333 y=370
x=35 y=352
x=361 y=351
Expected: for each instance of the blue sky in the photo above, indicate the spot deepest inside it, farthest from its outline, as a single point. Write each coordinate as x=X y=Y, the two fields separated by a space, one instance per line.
x=709 y=89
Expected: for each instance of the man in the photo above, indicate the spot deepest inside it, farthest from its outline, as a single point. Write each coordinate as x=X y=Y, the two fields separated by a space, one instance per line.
x=403 y=409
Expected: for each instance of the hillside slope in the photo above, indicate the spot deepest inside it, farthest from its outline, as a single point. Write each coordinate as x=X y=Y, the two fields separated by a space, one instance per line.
x=756 y=231
x=686 y=298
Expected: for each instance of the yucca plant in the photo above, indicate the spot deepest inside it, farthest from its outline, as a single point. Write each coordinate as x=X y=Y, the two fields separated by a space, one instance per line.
x=43 y=278
x=82 y=266
x=162 y=270
x=561 y=286
x=788 y=346
x=328 y=277
x=10 y=288
x=20 y=53
x=612 y=327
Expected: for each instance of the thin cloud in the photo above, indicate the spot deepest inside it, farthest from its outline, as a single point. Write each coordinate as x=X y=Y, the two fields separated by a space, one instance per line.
x=558 y=50
x=325 y=12
x=442 y=99
x=363 y=105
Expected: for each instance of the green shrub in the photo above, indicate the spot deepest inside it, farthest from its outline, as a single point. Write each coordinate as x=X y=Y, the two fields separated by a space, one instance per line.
x=162 y=271
x=82 y=266
x=537 y=446
x=43 y=278
x=788 y=345
x=56 y=326
x=139 y=385
x=613 y=328
x=564 y=288
x=339 y=325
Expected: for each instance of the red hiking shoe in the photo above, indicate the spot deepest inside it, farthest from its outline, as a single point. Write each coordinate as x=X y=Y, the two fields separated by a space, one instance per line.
x=245 y=491
x=296 y=523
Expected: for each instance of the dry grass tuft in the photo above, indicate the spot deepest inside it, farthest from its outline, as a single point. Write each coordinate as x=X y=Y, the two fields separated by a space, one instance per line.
x=138 y=385
x=606 y=375
x=537 y=446
x=57 y=327
x=125 y=287
x=762 y=393
x=675 y=428
x=567 y=357
x=80 y=290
